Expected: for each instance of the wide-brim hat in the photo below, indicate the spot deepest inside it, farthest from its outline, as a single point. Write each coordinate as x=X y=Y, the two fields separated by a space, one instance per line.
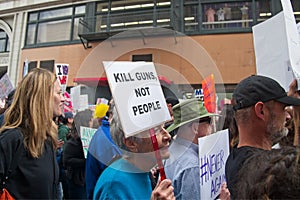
x=187 y=111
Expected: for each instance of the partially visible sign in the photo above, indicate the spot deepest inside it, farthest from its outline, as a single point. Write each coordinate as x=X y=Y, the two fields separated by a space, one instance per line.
x=277 y=47
x=5 y=86
x=199 y=94
x=68 y=106
x=86 y=137
x=209 y=91
x=83 y=102
x=62 y=75
x=213 y=153
x=25 y=68
x=75 y=97
x=138 y=95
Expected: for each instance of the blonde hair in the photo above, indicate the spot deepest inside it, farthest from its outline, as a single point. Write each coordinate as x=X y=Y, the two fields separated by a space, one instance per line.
x=32 y=111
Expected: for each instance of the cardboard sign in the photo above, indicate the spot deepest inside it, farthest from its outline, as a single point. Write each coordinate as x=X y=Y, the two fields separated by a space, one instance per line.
x=137 y=94
x=5 y=86
x=213 y=153
x=86 y=137
x=62 y=75
x=209 y=94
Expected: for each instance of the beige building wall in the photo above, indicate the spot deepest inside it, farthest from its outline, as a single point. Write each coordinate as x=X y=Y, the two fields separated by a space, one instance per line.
x=231 y=54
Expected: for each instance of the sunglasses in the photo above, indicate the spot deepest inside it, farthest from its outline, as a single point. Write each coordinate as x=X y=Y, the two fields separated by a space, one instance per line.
x=205 y=120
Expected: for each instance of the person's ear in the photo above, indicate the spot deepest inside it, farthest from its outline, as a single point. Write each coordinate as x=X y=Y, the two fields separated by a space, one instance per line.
x=195 y=127
x=259 y=110
x=131 y=145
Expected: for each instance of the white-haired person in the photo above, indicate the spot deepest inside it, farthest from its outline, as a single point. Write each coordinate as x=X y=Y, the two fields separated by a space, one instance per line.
x=128 y=177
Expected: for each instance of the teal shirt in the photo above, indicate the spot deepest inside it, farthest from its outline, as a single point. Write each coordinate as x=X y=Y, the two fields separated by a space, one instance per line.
x=122 y=180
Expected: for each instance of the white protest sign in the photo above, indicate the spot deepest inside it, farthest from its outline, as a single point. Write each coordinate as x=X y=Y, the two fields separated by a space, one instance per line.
x=271 y=50
x=86 y=137
x=5 y=86
x=298 y=28
x=292 y=36
x=75 y=97
x=137 y=94
x=213 y=153
x=83 y=102
x=62 y=75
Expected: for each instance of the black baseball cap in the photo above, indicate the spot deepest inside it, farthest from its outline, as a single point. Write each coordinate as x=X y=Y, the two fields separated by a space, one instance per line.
x=257 y=88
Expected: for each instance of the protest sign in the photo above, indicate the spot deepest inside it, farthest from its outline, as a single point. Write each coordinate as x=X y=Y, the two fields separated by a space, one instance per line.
x=213 y=153
x=292 y=36
x=209 y=94
x=75 y=97
x=25 y=67
x=5 y=86
x=68 y=106
x=86 y=137
x=83 y=102
x=298 y=28
x=62 y=75
x=198 y=94
x=276 y=45
x=137 y=94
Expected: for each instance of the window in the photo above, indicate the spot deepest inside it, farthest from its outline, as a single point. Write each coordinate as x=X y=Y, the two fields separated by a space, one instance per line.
x=4 y=42
x=47 y=64
x=263 y=10
x=32 y=65
x=121 y=15
x=190 y=18
x=55 y=25
x=3 y=70
x=142 y=57
x=230 y=15
x=296 y=8
x=28 y=66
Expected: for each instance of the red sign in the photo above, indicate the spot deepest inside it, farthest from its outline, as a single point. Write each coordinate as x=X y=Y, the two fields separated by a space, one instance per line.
x=209 y=92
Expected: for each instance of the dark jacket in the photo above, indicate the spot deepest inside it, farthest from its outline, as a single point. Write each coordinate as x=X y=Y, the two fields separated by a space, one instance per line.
x=74 y=160
x=33 y=178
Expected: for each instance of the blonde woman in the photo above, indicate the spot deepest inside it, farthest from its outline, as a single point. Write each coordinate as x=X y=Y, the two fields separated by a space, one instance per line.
x=29 y=130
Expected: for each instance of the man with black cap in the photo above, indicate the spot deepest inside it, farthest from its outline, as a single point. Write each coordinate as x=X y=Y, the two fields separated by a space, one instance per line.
x=259 y=103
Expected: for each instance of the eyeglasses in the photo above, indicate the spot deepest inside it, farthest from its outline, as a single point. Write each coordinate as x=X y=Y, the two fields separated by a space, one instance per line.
x=205 y=120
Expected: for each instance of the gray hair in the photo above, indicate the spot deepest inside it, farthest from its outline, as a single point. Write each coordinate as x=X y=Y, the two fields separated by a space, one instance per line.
x=243 y=116
x=116 y=131
x=118 y=135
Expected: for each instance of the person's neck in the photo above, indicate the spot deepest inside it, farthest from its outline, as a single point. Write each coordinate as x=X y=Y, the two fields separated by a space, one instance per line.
x=141 y=162
x=188 y=136
x=254 y=139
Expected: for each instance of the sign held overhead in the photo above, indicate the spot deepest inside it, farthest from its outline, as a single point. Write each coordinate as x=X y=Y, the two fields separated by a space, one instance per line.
x=137 y=94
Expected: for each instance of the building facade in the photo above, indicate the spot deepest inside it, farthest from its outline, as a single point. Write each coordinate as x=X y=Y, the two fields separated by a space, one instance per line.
x=186 y=39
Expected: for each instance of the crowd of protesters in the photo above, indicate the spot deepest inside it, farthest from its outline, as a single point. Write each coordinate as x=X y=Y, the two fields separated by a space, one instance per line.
x=262 y=122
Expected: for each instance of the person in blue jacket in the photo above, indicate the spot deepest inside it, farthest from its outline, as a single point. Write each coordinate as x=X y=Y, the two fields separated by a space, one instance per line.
x=102 y=151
